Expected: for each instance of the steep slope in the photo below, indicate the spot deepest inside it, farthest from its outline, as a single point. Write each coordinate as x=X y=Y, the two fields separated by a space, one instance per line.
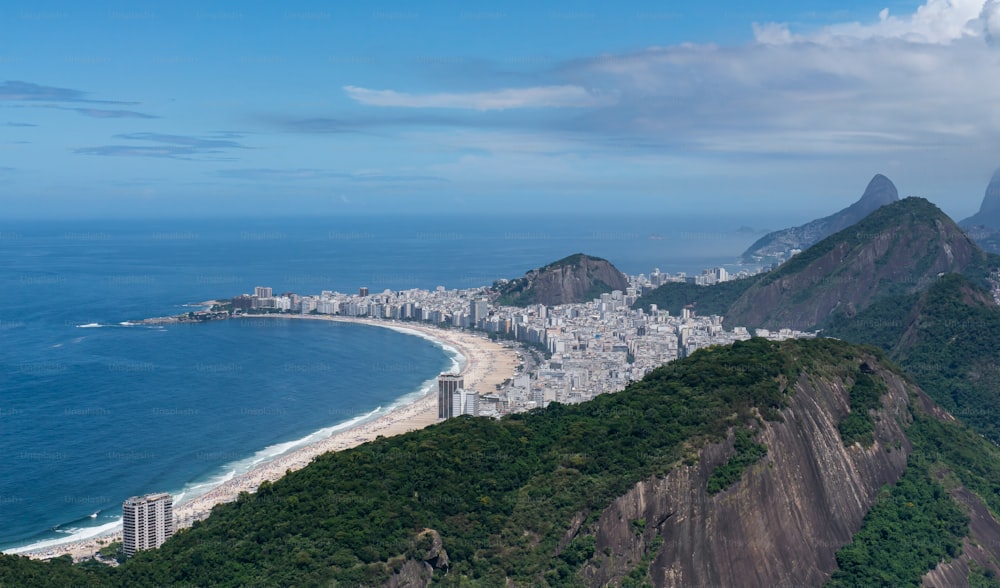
x=947 y=339
x=984 y=226
x=899 y=248
x=782 y=523
x=577 y=278
x=779 y=244
x=726 y=468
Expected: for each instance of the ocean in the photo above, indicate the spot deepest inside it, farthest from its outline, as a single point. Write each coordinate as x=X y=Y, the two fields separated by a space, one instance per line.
x=93 y=411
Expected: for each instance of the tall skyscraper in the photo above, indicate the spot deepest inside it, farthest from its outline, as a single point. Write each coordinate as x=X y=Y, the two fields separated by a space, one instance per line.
x=363 y=291
x=478 y=309
x=147 y=521
x=262 y=292
x=448 y=384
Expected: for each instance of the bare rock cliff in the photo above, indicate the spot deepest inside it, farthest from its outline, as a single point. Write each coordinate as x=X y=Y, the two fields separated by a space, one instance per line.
x=781 y=523
x=574 y=279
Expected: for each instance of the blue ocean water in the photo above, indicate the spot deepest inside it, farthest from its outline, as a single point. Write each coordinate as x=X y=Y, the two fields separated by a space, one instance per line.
x=92 y=412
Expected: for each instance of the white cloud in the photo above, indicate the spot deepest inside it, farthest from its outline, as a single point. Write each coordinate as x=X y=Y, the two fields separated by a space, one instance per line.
x=507 y=98
x=989 y=21
x=881 y=90
x=910 y=95
x=936 y=21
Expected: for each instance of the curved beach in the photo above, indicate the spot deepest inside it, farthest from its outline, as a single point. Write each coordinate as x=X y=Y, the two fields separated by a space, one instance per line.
x=486 y=365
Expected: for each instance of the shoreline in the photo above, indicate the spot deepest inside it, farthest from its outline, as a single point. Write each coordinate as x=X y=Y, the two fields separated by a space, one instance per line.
x=486 y=364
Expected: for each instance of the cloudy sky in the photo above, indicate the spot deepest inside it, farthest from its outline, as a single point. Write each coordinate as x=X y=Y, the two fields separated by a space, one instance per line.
x=247 y=107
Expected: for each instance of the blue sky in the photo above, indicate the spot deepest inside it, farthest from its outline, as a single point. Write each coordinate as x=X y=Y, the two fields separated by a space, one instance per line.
x=251 y=107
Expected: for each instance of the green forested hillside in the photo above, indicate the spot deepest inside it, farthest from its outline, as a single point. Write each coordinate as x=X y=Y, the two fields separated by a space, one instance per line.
x=947 y=338
x=501 y=494
x=499 y=497
x=915 y=523
x=706 y=300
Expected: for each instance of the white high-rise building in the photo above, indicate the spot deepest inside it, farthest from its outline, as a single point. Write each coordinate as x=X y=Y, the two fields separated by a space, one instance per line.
x=464 y=402
x=147 y=521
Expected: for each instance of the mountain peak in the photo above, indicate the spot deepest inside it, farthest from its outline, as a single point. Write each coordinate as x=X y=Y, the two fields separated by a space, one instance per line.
x=900 y=248
x=880 y=191
x=779 y=244
x=991 y=200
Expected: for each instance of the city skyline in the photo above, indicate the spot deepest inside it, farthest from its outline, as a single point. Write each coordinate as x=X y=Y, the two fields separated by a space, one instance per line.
x=135 y=110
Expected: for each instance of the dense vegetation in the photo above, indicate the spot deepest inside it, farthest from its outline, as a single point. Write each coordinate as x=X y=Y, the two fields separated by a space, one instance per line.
x=913 y=525
x=973 y=460
x=947 y=340
x=706 y=300
x=858 y=426
x=501 y=494
x=746 y=452
x=56 y=573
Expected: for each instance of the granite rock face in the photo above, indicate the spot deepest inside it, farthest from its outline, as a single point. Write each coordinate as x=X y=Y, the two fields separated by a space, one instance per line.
x=574 y=279
x=782 y=522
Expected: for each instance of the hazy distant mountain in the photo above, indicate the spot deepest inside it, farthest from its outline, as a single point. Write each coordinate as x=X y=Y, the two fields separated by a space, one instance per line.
x=984 y=226
x=779 y=244
x=577 y=278
x=899 y=248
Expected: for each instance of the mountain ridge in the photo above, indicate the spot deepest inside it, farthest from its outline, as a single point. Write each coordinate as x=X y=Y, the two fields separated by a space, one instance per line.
x=778 y=244
x=899 y=248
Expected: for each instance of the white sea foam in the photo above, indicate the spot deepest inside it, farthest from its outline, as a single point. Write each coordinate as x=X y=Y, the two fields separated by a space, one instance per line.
x=74 y=535
x=89 y=326
x=269 y=453
x=458 y=360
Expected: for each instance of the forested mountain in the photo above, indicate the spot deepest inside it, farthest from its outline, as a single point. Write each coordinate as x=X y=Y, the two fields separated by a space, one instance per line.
x=753 y=464
x=900 y=248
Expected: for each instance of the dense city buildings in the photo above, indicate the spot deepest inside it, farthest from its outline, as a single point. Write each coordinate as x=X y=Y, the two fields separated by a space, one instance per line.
x=578 y=351
x=147 y=521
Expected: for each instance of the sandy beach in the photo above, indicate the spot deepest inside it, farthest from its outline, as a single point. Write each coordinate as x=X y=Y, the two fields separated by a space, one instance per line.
x=486 y=365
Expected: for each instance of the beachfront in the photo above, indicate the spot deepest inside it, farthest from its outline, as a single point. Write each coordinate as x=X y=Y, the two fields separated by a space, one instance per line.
x=486 y=365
